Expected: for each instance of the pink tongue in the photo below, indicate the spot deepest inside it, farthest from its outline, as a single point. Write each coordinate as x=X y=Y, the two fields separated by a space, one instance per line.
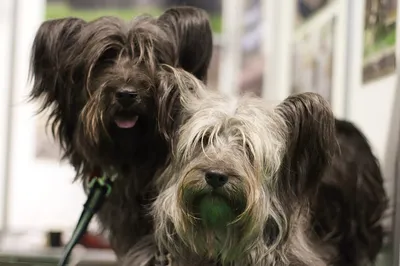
x=125 y=122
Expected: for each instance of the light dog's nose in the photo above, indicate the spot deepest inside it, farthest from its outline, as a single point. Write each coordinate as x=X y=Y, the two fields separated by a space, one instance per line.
x=215 y=179
x=125 y=97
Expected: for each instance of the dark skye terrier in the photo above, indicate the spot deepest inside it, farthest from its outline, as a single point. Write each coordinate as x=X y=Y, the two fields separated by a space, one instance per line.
x=100 y=80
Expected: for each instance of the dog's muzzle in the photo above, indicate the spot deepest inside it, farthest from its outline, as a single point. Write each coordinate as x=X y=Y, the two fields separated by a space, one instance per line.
x=125 y=97
x=216 y=179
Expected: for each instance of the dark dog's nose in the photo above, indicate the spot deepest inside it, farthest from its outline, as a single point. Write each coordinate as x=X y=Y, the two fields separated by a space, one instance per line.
x=125 y=97
x=216 y=179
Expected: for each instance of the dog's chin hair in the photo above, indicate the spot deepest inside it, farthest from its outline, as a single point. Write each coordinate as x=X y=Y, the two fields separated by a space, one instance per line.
x=244 y=241
x=246 y=237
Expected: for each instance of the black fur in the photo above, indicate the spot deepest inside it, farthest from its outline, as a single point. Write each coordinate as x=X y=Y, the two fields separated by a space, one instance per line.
x=79 y=68
x=351 y=201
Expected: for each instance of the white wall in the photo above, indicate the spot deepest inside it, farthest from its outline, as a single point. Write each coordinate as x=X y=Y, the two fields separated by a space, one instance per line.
x=374 y=109
x=41 y=194
x=6 y=12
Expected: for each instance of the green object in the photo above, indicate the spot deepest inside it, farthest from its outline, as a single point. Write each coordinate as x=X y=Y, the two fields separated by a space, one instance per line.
x=61 y=10
x=100 y=188
x=103 y=183
x=215 y=212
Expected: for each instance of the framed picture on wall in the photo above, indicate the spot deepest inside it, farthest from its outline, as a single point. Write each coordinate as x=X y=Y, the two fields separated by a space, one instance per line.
x=379 y=57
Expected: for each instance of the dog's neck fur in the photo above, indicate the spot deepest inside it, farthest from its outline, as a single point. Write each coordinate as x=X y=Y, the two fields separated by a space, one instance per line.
x=298 y=252
x=127 y=202
x=132 y=193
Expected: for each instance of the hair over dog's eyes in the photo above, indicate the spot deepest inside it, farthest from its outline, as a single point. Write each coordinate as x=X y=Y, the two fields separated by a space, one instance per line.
x=109 y=55
x=205 y=140
x=249 y=152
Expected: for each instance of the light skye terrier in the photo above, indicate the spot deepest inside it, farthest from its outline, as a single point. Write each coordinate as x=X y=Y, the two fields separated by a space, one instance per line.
x=241 y=178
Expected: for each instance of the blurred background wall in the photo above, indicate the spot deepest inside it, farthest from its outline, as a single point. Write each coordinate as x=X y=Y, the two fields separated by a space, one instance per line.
x=350 y=44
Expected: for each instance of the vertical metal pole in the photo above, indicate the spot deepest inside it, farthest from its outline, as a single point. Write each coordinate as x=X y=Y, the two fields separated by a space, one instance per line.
x=396 y=218
x=354 y=53
x=8 y=113
x=341 y=59
x=277 y=71
x=232 y=25
x=270 y=26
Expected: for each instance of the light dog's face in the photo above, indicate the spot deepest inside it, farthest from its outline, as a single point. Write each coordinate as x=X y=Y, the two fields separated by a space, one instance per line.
x=237 y=173
x=219 y=194
x=231 y=152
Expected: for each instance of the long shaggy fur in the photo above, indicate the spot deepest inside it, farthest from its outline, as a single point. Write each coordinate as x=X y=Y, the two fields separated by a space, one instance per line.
x=351 y=202
x=274 y=158
x=293 y=207
x=79 y=68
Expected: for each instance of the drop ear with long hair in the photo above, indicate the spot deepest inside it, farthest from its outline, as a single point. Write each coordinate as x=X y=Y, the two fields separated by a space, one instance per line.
x=52 y=78
x=191 y=30
x=311 y=141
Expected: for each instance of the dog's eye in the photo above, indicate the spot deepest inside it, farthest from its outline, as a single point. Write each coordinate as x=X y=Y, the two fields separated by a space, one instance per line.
x=109 y=55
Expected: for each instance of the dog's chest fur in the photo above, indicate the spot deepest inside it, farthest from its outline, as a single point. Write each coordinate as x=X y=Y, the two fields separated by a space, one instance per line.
x=124 y=214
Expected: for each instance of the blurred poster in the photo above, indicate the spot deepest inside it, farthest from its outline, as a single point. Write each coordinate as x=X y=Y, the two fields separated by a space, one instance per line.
x=251 y=75
x=46 y=147
x=313 y=54
x=379 y=58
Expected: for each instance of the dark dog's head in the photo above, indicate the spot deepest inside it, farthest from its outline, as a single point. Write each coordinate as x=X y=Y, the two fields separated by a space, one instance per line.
x=240 y=174
x=100 y=80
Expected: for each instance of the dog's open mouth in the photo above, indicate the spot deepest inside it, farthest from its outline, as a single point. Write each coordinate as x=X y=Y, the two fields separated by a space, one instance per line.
x=126 y=122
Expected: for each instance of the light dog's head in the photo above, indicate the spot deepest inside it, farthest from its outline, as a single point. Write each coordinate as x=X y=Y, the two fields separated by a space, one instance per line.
x=100 y=81
x=240 y=173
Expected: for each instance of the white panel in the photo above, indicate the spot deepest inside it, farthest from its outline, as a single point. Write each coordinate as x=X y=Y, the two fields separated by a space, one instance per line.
x=6 y=23
x=277 y=72
x=232 y=24
x=339 y=59
x=41 y=194
x=270 y=23
x=396 y=159
x=355 y=47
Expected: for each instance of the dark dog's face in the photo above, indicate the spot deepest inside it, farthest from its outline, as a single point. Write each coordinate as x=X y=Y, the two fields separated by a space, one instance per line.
x=101 y=80
x=239 y=172
x=119 y=115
